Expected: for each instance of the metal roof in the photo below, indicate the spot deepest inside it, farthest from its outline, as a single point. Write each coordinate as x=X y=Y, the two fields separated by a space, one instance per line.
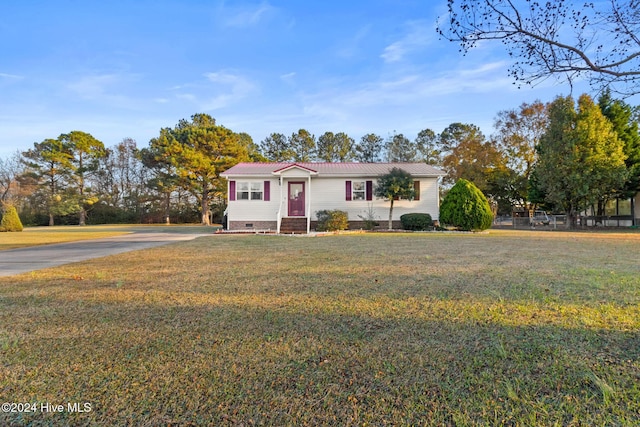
x=333 y=169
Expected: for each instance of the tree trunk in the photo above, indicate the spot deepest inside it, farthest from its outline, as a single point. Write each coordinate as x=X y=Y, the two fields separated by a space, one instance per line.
x=167 y=205
x=83 y=217
x=391 y=215
x=205 y=206
x=572 y=218
x=51 y=219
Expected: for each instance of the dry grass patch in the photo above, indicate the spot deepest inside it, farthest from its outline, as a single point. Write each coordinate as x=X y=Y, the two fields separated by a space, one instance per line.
x=412 y=329
x=33 y=236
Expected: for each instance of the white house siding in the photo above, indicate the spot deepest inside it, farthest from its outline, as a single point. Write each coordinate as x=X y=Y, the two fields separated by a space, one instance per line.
x=325 y=188
x=329 y=193
x=295 y=174
x=254 y=214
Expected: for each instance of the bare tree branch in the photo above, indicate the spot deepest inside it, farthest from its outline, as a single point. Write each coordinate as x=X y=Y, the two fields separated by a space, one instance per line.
x=564 y=38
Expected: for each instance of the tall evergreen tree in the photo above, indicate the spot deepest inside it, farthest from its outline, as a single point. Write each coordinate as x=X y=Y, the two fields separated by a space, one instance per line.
x=85 y=154
x=401 y=149
x=303 y=144
x=49 y=164
x=621 y=116
x=252 y=148
x=200 y=151
x=581 y=159
x=428 y=149
x=337 y=147
x=276 y=148
x=369 y=149
x=164 y=179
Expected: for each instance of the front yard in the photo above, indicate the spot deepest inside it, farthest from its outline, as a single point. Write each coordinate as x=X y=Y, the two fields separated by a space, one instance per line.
x=504 y=328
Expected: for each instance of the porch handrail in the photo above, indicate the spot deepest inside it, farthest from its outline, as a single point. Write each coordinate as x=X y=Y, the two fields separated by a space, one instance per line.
x=279 y=216
x=279 y=219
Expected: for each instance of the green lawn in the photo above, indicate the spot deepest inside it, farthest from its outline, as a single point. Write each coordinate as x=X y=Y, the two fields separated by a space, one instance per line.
x=504 y=328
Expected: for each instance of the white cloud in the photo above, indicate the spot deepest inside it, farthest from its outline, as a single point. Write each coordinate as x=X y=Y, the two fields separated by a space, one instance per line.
x=350 y=47
x=414 y=87
x=187 y=96
x=245 y=16
x=93 y=86
x=11 y=76
x=113 y=90
x=405 y=101
x=288 y=78
x=418 y=35
x=221 y=89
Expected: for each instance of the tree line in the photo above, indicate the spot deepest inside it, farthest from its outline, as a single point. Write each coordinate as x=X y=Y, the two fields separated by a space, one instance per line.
x=565 y=155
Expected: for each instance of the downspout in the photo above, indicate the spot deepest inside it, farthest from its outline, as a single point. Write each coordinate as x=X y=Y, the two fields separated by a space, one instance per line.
x=226 y=210
x=438 y=180
x=309 y=206
x=279 y=217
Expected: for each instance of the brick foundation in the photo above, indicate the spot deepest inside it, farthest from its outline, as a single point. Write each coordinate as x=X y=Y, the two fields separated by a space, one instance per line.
x=252 y=225
x=272 y=225
x=360 y=225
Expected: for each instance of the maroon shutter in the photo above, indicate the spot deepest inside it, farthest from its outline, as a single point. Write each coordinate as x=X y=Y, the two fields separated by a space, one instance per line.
x=369 y=190
x=232 y=190
x=348 y=190
x=416 y=188
x=267 y=191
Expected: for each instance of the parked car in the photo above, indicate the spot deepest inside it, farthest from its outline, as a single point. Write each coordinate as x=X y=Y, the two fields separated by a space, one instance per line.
x=540 y=218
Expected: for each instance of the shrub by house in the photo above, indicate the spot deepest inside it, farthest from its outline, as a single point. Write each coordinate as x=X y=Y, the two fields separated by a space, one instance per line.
x=416 y=221
x=466 y=208
x=332 y=220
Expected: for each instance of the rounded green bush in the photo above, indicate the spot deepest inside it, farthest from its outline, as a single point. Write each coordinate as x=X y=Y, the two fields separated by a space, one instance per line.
x=416 y=221
x=10 y=220
x=466 y=208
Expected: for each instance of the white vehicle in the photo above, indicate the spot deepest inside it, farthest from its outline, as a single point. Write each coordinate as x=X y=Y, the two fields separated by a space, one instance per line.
x=539 y=218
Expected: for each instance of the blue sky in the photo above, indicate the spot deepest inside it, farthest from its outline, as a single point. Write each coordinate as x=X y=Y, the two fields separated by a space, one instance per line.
x=125 y=69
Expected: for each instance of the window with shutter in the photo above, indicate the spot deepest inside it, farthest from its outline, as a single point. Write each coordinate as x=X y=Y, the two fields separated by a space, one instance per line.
x=267 y=191
x=247 y=190
x=416 y=188
x=347 y=190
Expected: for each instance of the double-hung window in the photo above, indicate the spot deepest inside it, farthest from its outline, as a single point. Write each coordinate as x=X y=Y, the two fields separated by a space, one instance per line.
x=358 y=190
x=248 y=190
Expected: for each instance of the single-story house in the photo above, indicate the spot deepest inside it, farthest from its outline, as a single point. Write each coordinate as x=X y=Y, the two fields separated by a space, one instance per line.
x=284 y=197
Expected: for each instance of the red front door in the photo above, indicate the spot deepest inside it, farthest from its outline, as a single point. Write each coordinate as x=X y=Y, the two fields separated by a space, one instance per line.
x=296 y=199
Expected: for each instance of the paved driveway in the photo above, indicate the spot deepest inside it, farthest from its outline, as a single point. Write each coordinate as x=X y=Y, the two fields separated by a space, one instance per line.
x=23 y=260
